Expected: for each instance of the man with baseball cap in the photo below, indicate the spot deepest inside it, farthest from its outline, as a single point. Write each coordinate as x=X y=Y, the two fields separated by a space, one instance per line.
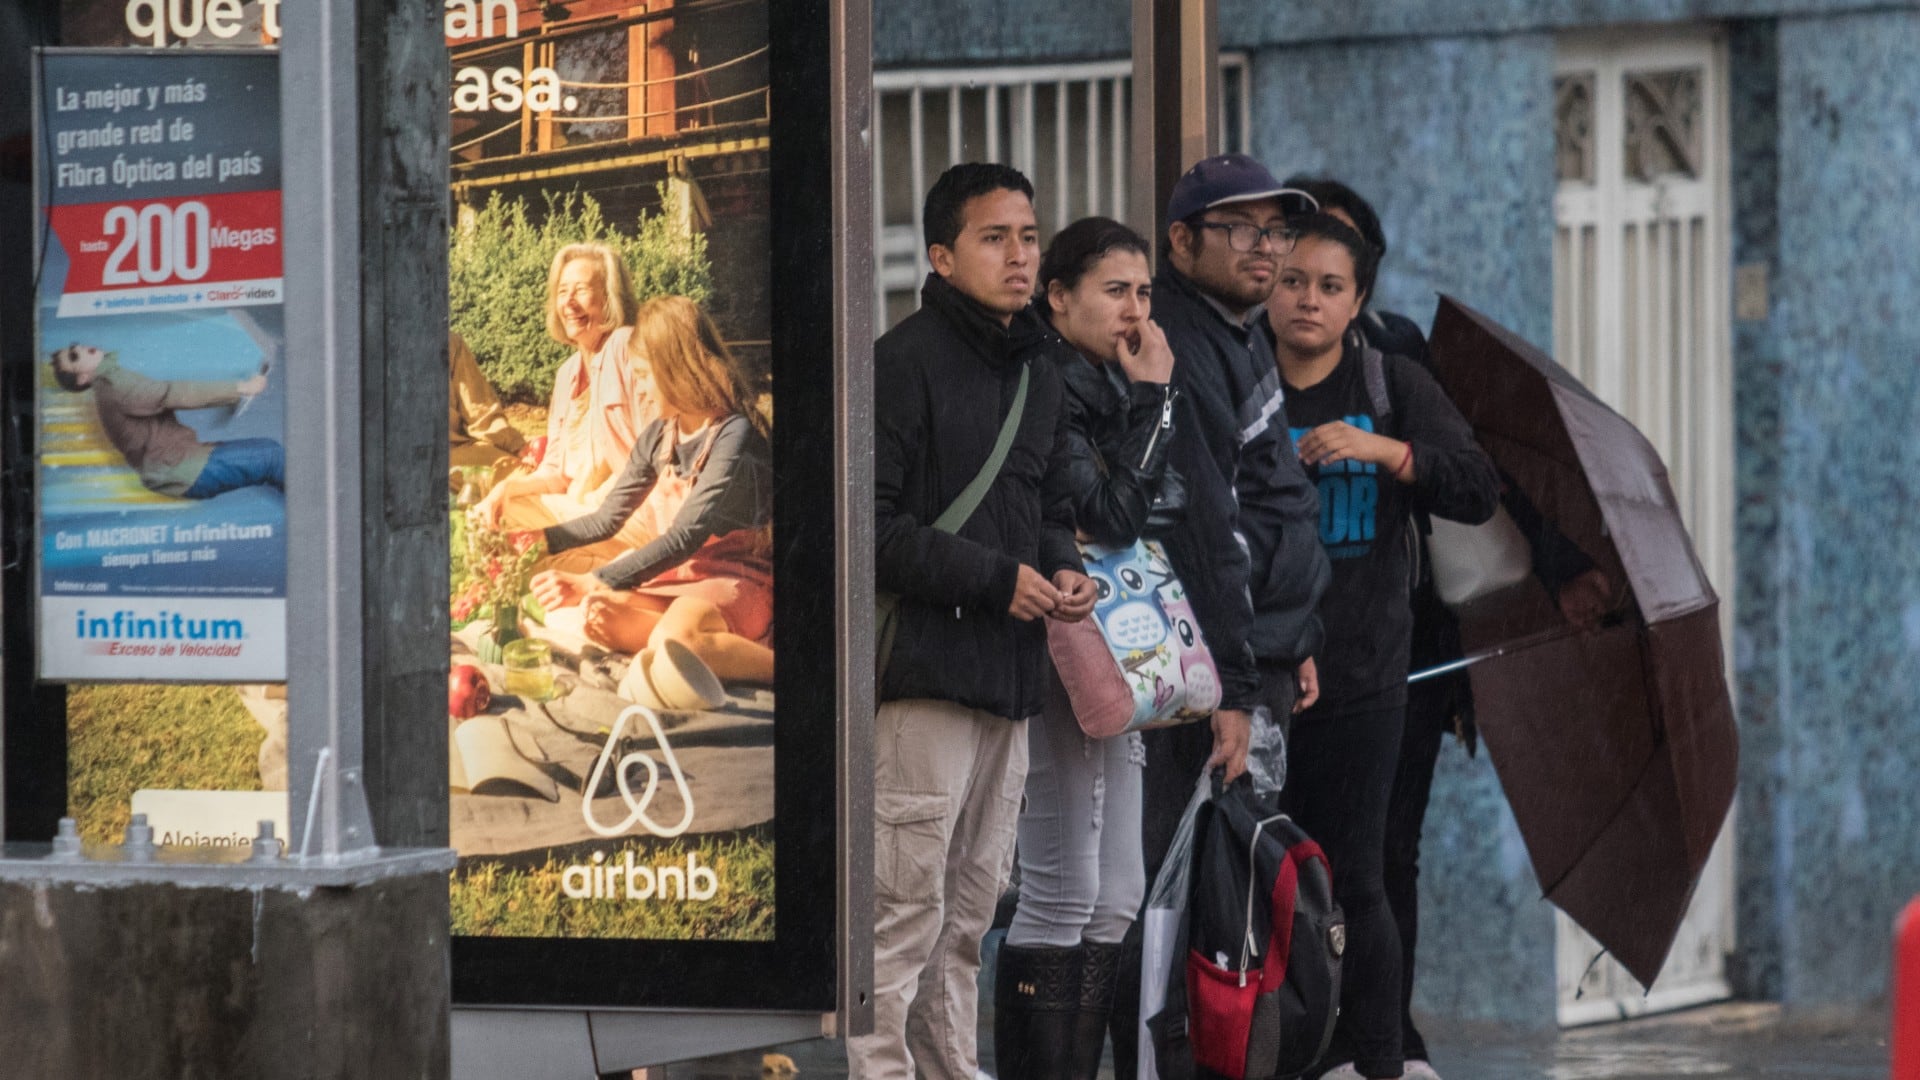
x=1226 y=234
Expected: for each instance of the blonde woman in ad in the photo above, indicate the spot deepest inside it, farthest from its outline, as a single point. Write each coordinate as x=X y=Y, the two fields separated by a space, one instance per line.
x=598 y=409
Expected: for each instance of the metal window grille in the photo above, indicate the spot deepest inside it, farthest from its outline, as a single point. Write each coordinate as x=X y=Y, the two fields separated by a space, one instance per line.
x=1064 y=125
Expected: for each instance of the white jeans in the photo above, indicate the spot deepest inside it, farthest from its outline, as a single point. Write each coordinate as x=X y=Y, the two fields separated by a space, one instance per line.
x=1082 y=877
x=947 y=783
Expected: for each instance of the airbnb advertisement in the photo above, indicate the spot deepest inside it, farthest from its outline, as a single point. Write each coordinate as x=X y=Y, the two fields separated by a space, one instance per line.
x=162 y=520
x=611 y=715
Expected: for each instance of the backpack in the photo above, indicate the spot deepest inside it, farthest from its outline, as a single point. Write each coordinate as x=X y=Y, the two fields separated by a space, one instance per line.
x=1264 y=941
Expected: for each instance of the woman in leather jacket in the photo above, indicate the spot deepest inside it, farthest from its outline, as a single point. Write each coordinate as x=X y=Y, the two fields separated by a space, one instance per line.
x=1082 y=877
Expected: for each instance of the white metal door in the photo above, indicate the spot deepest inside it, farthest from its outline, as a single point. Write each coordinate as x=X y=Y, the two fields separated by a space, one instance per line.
x=1641 y=315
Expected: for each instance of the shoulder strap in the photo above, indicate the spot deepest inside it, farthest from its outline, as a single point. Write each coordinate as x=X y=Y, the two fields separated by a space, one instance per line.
x=969 y=498
x=1375 y=366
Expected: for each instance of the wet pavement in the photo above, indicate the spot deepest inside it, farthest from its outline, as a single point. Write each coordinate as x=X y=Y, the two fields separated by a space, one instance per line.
x=1736 y=1041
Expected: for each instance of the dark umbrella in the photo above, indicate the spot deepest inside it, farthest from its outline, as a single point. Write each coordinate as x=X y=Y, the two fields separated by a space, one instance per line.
x=1616 y=745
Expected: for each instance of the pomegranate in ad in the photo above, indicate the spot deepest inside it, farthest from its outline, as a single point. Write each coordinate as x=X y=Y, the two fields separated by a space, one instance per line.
x=467 y=692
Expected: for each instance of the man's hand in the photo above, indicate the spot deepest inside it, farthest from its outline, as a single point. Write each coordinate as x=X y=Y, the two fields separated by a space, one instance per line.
x=1077 y=594
x=1145 y=355
x=1585 y=599
x=1232 y=733
x=556 y=589
x=1307 y=678
x=251 y=385
x=1033 y=595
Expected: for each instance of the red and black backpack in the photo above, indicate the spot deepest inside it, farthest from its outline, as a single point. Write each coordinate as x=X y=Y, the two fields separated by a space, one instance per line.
x=1264 y=941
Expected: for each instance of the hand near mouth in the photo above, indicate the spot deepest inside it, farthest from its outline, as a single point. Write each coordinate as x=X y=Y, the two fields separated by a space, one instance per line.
x=1145 y=355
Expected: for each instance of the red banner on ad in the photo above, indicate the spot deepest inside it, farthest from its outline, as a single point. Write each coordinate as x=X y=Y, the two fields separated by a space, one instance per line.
x=181 y=242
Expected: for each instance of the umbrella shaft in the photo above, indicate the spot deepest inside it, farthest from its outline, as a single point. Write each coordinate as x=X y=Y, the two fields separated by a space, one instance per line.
x=1444 y=669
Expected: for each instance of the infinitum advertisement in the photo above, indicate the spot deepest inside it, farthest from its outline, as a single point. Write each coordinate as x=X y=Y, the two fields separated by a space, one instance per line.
x=163 y=555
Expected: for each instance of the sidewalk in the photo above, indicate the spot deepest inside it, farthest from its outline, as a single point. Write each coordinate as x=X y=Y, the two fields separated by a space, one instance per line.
x=1735 y=1041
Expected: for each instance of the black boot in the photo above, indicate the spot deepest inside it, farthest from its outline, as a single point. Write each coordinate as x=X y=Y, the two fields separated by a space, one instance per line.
x=1036 y=996
x=1099 y=978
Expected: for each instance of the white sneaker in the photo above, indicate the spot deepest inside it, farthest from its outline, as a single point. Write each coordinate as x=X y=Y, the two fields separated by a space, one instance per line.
x=1415 y=1069
x=1344 y=1071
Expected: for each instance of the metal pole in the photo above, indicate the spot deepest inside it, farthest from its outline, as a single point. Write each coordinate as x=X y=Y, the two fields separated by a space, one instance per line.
x=319 y=111
x=1176 y=100
x=853 y=135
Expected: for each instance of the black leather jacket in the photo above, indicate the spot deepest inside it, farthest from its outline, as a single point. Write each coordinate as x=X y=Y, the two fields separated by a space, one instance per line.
x=1130 y=450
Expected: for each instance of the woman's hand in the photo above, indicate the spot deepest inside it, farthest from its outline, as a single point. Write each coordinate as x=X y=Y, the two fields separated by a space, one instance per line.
x=558 y=588
x=1232 y=734
x=492 y=506
x=1341 y=441
x=1145 y=355
x=487 y=511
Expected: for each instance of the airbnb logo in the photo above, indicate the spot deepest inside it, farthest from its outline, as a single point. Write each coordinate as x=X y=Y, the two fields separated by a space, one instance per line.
x=637 y=804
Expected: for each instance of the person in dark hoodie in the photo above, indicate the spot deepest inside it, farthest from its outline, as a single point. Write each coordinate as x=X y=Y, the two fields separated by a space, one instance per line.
x=1380 y=439
x=1227 y=230
x=1442 y=703
x=968 y=663
x=1137 y=469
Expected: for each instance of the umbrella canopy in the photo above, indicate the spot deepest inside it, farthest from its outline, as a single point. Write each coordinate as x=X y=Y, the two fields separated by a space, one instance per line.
x=1616 y=746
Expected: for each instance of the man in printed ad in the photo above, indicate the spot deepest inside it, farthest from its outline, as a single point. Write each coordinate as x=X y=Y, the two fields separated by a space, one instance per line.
x=138 y=417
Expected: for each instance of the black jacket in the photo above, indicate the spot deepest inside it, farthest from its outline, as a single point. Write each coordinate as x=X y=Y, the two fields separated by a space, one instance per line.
x=1137 y=468
x=944 y=379
x=1229 y=374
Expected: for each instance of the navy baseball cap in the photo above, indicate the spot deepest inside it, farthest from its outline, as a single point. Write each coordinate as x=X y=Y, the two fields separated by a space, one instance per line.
x=1231 y=178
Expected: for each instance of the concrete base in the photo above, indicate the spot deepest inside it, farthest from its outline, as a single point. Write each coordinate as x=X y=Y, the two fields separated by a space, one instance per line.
x=292 y=982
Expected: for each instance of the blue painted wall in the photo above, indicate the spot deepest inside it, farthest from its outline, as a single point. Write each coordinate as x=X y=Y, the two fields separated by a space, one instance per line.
x=1828 y=651
x=936 y=33
x=1251 y=23
x=946 y=32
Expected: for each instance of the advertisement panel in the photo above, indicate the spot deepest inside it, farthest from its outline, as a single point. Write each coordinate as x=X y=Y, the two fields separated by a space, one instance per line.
x=612 y=577
x=162 y=522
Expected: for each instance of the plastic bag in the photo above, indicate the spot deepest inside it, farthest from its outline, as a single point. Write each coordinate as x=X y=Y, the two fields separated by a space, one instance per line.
x=1267 y=753
x=1163 y=937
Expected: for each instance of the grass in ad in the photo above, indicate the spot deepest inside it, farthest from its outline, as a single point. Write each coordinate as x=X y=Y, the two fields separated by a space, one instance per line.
x=505 y=898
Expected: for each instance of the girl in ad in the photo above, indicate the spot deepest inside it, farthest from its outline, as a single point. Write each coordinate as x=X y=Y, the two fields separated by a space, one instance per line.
x=699 y=482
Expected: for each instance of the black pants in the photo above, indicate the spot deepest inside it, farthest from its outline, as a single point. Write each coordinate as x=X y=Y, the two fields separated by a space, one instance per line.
x=1339 y=781
x=1430 y=706
x=1175 y=757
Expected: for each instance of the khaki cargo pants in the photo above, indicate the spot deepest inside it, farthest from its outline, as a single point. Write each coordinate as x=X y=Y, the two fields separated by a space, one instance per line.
x=947 y=786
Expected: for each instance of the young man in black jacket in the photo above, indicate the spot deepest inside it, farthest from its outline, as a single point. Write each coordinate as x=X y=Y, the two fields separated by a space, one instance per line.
x=968 y=663
x=1225 y=236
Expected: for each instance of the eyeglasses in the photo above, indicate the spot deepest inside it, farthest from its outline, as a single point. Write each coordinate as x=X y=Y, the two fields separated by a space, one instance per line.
x=1243 y=237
